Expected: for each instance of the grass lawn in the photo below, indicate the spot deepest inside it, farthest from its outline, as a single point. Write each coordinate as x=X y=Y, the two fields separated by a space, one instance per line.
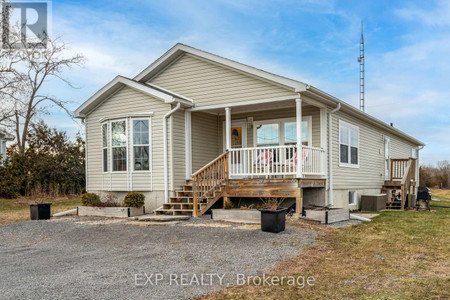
x=399 y=255
x=16 y=210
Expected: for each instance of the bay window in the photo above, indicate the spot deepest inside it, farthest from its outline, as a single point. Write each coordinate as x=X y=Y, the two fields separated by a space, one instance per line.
x=141 y=145
x=348 y=145
x=123 y=140
x=105 y=147
x=119 y=145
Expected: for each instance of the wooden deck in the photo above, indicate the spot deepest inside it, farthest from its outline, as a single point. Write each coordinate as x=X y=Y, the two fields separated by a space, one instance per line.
x=283 y=188
x=212 y=182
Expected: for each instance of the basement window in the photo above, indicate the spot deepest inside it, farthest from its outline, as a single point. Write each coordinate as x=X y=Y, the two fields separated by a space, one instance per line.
x=351 y=197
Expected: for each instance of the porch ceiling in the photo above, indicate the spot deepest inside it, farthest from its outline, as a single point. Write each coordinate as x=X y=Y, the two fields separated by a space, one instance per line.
x=244 y=108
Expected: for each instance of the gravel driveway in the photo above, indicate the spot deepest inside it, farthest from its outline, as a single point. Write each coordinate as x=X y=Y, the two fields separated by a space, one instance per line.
x=83 y=258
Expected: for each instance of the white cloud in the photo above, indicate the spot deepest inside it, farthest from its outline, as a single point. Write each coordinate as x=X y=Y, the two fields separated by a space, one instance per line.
x=428 y=15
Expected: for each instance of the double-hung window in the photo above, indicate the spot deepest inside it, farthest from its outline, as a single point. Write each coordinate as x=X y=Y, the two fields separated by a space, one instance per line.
x=119 y=145
x=105 y=146
x=348 y=145
x=141 y=145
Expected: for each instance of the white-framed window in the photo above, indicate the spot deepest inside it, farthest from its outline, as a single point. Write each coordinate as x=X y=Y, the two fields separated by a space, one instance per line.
x=351 y=197
x=119 y=145
x=105 y=147
x=348 y=145
x=278 y=132
x=141 y=144
x=2 y=151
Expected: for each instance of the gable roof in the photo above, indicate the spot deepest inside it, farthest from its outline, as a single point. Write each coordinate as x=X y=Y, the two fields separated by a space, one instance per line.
x=118 y=83
x=140 y=82
x=179 y=49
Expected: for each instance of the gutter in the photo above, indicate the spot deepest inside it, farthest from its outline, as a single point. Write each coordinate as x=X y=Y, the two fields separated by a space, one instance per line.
x=331 y=100
x=166 y=167
x=330 y=155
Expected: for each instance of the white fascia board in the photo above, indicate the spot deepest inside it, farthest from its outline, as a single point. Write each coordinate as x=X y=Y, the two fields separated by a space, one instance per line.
x=178 y=49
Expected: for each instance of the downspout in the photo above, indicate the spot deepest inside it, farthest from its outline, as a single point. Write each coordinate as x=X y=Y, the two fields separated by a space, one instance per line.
x=418 y=168
x=166 y=162
x=330 y=155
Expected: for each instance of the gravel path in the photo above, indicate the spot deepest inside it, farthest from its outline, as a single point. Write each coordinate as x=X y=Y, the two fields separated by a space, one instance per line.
x=82 y=258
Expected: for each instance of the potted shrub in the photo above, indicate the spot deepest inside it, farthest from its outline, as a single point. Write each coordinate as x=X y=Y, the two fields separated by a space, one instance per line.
x=40 y=211
x=273 y=217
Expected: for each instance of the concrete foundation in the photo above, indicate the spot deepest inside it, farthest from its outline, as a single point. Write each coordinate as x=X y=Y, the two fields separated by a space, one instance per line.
x=237 y=215
x=341 y=197
x=113 y=212
x=153 y=200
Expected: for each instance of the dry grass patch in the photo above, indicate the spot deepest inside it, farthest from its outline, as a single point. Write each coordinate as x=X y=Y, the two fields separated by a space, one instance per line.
x=16 y=210
x=399 y=255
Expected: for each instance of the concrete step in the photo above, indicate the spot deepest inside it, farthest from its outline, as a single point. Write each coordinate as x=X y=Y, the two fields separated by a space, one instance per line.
x=163 y=218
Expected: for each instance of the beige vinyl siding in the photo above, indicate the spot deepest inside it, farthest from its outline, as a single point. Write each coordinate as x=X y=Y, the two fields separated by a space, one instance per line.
x=308 y=110
x=125 y=101
x=204 y=137
x=209 y=83
x=371 y=171
x=399 y=148
x=178 y=165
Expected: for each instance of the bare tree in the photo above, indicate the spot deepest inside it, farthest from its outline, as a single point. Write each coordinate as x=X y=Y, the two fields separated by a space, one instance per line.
x=40 y=66
x=10 y=76
x=25 y=68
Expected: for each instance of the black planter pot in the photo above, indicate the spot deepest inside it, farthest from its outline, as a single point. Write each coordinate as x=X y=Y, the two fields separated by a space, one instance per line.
x=273 y=220
x=40 y=211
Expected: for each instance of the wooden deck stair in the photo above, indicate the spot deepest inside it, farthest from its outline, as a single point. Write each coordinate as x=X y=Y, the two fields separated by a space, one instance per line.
x=403 y=180
x=208 y=185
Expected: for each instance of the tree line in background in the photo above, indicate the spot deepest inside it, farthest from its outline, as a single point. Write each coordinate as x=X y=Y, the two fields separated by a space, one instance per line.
x=435 y=176
x=51 y=164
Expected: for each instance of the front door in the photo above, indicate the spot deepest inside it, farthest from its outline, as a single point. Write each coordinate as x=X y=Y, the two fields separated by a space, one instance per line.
x=238 y=140
x=387 y=158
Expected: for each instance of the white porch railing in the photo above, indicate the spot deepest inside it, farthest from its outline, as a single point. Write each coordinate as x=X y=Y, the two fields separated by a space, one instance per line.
x=276 y=160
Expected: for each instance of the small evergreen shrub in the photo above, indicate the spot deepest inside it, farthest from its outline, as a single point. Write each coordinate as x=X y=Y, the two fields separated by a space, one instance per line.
x=90 y=199
x=134 y=199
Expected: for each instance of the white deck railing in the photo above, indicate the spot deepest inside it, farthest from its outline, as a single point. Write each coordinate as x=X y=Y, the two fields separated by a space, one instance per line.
x=276 y=160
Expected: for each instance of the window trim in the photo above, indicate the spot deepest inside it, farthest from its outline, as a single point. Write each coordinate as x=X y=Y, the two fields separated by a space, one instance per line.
x=348 y=164
x=354 y=198
x=280 y=123
x=150 y=150
x=112 y=147
x=107 y=147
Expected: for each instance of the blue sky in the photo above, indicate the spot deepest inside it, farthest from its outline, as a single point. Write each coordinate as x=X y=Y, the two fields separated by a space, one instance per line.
x=317 y=42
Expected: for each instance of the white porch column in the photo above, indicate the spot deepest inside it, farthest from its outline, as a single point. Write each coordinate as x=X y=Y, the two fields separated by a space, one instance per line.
x=188 y=143
x=298 y=106
x=227 y=128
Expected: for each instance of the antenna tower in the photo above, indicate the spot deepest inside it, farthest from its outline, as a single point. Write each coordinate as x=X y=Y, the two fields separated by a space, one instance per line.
x=361 y=71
